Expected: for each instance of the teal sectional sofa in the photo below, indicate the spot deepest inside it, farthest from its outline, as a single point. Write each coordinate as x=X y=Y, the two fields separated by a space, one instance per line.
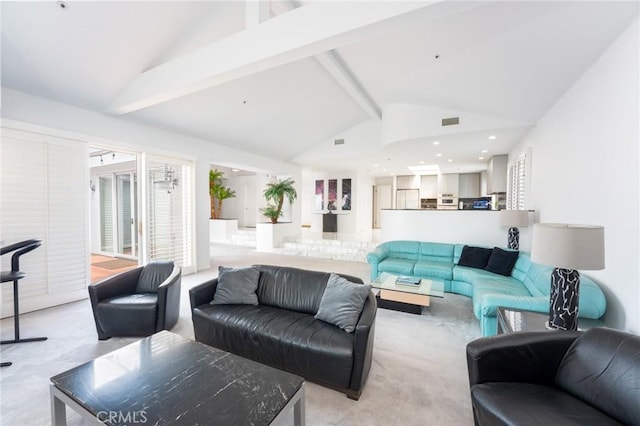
x=527 y=288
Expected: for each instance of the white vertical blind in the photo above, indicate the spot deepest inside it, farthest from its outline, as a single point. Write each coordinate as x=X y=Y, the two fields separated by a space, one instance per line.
x=170 y=211
x=44 y=190
x=106 y=213
x=516 y=191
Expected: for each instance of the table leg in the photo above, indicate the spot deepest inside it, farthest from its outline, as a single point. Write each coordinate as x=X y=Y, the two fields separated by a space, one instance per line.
x=58 y=410
x=298 y=409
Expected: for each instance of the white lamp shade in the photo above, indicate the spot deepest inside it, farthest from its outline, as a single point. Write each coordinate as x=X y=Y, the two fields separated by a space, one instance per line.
x=514 y=218
x=568 y=246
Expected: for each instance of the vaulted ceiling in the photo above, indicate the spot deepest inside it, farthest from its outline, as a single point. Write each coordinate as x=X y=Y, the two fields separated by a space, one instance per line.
x=281 y=78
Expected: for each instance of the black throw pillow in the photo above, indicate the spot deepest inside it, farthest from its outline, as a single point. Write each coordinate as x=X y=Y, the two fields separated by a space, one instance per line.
x=502 y=261
x=475 y=257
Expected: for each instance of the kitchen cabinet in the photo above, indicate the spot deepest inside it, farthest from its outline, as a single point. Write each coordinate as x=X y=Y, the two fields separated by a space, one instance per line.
x=448 y=183
x=483 y=184
x=407 y=199
x=469 y=185
x=429 y=186
x=408 y=182
x=497 y=174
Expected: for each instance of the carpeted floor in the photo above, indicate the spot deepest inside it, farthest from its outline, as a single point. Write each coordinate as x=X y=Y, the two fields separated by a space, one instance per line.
x=418 y=376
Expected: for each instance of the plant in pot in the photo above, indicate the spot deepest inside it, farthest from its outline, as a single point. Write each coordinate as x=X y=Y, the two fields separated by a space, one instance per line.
x=275 y=193
x=218 y=192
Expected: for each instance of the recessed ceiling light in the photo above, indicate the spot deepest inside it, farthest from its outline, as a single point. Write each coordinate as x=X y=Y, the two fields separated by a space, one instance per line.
x=480 y=158
x=421 y=162
x=375 y=165
x=484 y=151
x=436 y=142
x=492 y=137
x=391 y=174
x=450 y=160
x=438 y=155
x=384 y=170
x=235 y=170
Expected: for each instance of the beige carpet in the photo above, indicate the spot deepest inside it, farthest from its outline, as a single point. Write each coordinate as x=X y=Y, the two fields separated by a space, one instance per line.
x=418 y=376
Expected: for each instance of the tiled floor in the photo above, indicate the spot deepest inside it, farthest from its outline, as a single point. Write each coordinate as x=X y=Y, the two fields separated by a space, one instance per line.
x=98 y=273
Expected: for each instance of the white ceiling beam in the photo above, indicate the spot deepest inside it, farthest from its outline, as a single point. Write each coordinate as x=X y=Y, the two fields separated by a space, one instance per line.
x=345 y=78
x=306 y=31
x=255 y=12
x=335 y=66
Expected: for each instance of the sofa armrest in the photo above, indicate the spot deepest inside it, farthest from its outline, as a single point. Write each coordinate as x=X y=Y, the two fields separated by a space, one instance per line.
x=169 y=300
x=363 y=343
x=491 y=302
x=530 y=357
x=202 y=293
x=374 y=258
x=116 y=285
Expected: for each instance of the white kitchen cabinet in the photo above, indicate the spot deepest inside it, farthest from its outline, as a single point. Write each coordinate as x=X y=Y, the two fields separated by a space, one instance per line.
x=448 y=183
x=469 y=185
x=483 y=184
x=497 y=174
x=408 y=182
x=429 y=186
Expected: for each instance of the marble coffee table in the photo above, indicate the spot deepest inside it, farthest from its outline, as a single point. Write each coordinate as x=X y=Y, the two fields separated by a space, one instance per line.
x=169 y=380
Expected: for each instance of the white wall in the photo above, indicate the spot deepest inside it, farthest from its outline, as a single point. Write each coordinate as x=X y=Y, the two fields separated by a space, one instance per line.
x=68 y=121
x=585 y=169
x=354 y=221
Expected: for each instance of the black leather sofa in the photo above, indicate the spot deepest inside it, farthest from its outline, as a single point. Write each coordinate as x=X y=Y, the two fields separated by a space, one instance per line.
x=281 y=330
x=556 y=378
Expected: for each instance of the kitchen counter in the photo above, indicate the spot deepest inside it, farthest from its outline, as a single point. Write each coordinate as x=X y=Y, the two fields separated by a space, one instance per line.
x=456 y=226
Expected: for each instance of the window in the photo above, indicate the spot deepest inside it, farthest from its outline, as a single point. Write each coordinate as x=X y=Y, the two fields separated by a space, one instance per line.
x=516 y=185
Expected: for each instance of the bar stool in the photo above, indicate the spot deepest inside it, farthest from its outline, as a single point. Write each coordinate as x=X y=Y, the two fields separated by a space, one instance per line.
x=15 y=275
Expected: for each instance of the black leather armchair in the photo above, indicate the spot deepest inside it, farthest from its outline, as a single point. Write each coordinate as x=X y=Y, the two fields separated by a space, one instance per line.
x=138 y=302
x=556 y=378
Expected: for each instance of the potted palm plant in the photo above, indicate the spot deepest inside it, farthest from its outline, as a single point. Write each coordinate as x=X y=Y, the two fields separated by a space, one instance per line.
x=270 y=235
x=275 y=193
x=218 y=192
x=220 y=229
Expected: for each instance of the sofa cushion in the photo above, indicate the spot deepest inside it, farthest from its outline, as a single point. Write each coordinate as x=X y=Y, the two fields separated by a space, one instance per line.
x=236 y=286
x=602 y=368
x=397 y=266
x=439 y=252
x=433 y=269
x=278 y=337
x=278 y=283
x=475 y=257
x=494 y=285
x=153 y=274
x=532 y=404
x=133 y=314
x=502 y=261
x=342 y=302
x=470 y=275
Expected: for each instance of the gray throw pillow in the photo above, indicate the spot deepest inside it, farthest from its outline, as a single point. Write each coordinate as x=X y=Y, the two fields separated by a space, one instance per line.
x=342 y=302
x=153 y=274
x=236 y=286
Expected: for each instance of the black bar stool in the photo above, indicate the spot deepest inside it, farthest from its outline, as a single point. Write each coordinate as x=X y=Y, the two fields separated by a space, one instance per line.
x=15 y=275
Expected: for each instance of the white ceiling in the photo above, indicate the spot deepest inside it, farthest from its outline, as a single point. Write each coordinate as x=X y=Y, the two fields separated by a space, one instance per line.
x=506 y=59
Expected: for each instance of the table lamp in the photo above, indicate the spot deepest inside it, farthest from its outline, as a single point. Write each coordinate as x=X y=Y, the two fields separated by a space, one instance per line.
x=514 y=219
x=567 y=248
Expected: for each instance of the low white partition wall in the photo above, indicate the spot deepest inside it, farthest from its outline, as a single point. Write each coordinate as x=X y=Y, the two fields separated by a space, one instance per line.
x=470 y=227
x=270 y=236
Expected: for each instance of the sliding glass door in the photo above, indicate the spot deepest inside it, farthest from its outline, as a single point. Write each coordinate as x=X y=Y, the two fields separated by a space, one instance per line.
x=169 y=210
